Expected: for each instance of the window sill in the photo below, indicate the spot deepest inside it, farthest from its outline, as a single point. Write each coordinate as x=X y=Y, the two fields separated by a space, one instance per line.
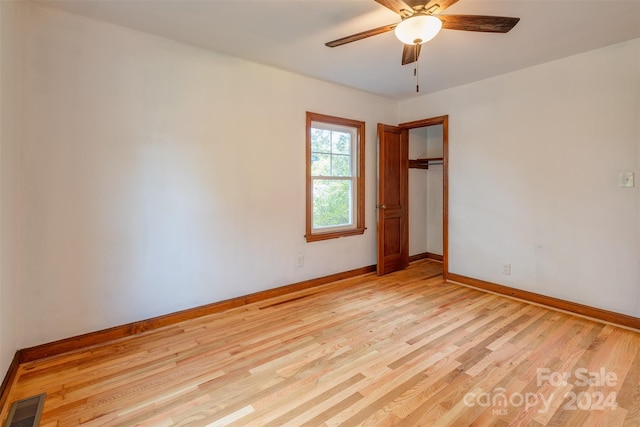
x=334 y=234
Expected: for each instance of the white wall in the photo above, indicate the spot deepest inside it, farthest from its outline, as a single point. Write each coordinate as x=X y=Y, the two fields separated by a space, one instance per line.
x=418 y=186
x=158 y=176
x=9 y=105
x=534 y=163
x=434 y=191
x=425 y=192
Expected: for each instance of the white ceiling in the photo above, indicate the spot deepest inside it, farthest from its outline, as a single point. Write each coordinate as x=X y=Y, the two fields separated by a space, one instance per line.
x=290 y=34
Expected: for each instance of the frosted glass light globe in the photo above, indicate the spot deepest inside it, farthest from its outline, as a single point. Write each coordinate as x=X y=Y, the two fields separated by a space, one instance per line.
x=418 y=29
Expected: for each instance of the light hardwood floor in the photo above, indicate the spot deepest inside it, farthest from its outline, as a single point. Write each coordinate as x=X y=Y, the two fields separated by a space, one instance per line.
x=404 y=349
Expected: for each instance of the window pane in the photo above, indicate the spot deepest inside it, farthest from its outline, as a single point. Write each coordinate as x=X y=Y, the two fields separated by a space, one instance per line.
x=320 y=164
x=341 y=165
x=331 y=203
x=320 y=140
x=341 y=142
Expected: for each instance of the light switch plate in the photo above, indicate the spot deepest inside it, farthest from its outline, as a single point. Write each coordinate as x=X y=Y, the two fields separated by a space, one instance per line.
x=626 y=180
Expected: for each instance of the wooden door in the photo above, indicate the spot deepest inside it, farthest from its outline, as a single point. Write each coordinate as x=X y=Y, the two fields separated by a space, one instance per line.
x=393 y=177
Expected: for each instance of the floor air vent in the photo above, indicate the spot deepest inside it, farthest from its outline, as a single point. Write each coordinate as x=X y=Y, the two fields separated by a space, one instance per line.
x=26 y=412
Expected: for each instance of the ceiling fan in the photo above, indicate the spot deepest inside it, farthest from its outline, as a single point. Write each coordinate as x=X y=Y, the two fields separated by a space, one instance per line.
x=422 y=21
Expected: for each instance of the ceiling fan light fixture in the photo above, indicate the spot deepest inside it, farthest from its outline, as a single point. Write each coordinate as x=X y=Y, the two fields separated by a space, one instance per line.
x=418 y=29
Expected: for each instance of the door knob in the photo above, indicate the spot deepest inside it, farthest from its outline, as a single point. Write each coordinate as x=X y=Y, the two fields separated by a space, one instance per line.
x=382 y=206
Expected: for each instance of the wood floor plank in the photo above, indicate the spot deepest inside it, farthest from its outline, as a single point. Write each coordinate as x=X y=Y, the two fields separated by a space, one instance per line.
x=403 y=349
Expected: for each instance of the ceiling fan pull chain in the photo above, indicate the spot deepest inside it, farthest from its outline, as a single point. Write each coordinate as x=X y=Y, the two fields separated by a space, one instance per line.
x=415 y=70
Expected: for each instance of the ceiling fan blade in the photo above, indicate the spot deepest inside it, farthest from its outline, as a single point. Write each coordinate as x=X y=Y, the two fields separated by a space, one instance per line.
x=433 y=6
x=410 y=53
x=398 y=6
x=362 y=35
x=485 y=24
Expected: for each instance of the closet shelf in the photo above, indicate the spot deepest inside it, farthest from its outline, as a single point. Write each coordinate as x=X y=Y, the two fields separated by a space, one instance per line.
x=425 y=162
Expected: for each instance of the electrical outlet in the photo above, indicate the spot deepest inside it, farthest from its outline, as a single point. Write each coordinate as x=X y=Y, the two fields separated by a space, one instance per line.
x=506 y=269
x=300 y=261
x=626 y=180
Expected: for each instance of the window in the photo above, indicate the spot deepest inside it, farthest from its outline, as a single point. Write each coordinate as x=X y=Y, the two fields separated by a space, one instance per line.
x=335 y=177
